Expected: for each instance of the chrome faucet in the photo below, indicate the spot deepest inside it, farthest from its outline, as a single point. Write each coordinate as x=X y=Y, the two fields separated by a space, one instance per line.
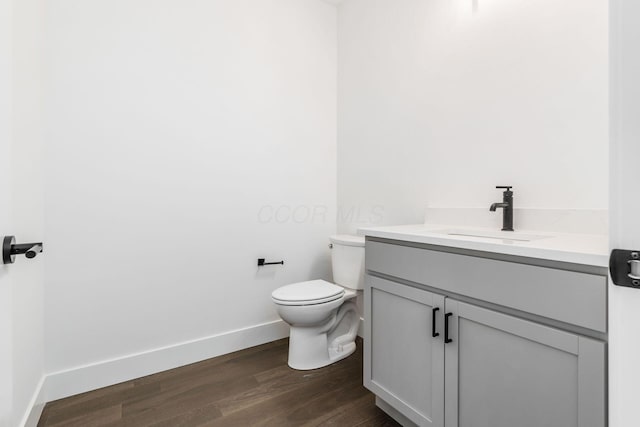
x=507 y=206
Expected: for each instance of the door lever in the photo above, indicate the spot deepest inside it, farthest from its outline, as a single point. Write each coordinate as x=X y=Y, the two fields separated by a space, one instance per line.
x=10 y=249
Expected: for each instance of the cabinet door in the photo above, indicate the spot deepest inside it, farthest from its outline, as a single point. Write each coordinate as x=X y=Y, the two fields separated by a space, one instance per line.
x=502 y=371
x=404 y=363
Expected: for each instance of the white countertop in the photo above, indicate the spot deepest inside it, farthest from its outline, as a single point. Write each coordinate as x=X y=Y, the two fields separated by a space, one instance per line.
x=584 y=249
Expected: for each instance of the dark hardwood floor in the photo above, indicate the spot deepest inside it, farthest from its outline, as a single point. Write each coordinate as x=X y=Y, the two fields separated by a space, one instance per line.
x=252 y=387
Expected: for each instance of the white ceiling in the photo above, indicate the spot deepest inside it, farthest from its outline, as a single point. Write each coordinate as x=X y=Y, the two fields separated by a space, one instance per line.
x=336 y=2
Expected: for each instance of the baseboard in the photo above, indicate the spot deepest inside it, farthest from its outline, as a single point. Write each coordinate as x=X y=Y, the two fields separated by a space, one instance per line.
x=102 y=374
x=36 y=406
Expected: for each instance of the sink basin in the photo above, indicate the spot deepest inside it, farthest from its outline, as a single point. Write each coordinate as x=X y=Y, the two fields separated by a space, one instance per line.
x=489 y=234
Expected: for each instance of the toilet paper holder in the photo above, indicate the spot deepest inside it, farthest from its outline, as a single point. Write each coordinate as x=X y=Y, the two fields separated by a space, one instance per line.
x=10 y=249
x=262 y=263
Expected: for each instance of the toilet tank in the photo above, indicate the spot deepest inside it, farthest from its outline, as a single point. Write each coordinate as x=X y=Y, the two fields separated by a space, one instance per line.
x=347 y=260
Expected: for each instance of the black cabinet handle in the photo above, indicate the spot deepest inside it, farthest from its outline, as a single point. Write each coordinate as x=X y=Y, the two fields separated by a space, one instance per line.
x=433 y=322
x=447 y=340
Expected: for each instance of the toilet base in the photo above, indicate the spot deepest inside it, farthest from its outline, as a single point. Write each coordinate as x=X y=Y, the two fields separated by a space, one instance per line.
x=306 y=353
x=309 y=347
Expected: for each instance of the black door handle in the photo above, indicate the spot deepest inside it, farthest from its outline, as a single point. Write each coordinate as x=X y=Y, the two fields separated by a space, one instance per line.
x=447 y=340
x=433 y=322
x=10 y=249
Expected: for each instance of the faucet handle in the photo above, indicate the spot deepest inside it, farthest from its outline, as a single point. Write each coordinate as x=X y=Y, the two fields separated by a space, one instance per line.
x=506 y=187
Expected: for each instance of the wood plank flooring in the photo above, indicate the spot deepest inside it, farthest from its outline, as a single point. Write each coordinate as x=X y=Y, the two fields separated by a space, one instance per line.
x=252 y=387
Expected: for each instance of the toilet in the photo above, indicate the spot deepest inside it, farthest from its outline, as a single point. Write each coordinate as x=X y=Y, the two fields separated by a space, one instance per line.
x=323 y=316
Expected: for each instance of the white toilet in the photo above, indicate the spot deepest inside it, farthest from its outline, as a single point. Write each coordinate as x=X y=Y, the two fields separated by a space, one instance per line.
x=323 y=316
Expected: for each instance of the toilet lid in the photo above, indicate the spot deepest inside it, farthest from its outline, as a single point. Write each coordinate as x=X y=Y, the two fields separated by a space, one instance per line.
x=313 y=291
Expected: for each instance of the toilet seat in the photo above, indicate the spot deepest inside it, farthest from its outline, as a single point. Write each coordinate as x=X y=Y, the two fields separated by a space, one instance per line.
x=307 y=293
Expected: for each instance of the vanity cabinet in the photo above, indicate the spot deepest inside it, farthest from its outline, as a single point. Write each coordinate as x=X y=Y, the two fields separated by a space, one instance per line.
x=501 y=367
x=502 y=371
x=405 y=361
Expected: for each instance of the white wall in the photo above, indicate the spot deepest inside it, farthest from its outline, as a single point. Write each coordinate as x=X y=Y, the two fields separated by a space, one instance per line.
x=439 y=103
x=177 y=128
x=624 y=303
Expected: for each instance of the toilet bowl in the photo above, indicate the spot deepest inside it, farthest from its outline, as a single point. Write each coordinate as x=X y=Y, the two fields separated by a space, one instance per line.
x=323 y=316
